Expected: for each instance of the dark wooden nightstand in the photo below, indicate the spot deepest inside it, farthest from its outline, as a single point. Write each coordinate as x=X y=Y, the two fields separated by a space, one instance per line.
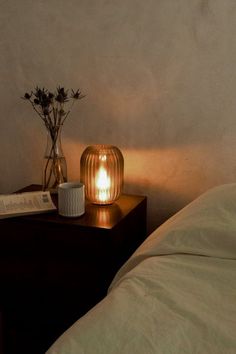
x=54 y=269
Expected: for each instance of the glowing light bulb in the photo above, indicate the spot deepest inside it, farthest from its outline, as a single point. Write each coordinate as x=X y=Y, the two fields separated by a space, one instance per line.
x=103 y=184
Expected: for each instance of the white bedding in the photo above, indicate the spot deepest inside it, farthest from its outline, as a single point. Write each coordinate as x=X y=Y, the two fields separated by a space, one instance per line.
x=176 y=294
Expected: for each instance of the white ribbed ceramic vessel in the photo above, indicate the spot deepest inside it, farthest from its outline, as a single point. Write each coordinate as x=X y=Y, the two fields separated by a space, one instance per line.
x=71 y=199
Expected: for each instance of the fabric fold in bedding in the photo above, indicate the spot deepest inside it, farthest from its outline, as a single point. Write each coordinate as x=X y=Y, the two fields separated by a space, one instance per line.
x=176 y=294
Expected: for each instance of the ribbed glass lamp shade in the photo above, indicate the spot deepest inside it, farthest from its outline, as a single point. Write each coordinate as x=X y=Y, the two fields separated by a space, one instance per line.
x=101 y=171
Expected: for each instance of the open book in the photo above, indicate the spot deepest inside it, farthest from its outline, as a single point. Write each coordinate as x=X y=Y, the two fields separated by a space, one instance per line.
x=17 y=204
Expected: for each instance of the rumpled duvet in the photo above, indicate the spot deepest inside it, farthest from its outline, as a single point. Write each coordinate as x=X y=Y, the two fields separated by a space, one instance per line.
x=176 y=294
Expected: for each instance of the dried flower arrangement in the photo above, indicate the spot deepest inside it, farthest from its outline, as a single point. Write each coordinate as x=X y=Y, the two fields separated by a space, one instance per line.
x=51 y=108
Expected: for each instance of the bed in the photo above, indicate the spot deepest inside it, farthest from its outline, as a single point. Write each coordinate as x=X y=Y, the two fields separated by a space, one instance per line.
x=175 y=294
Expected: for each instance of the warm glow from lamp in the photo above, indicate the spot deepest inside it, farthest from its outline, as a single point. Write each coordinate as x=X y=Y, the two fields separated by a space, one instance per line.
x=101 y=170
x=103 y=185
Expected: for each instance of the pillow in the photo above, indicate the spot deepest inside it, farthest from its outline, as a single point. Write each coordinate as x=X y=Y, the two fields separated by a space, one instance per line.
x=205 y=227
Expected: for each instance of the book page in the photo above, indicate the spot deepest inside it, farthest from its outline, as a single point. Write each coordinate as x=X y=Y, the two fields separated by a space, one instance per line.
x=17 y=204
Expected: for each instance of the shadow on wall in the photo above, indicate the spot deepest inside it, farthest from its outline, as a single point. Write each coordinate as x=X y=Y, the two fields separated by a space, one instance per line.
x=161 y=203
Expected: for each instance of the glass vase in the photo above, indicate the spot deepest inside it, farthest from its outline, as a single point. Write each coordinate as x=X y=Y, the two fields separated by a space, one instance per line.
x=54 y=166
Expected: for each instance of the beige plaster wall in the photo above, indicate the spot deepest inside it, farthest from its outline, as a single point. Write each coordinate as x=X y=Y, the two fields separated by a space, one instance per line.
x=160 y=81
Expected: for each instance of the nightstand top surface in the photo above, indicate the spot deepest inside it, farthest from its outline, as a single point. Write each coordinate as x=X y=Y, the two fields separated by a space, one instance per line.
x=95 y=216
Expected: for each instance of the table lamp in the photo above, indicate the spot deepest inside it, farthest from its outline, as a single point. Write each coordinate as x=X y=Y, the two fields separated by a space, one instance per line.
x=101 y=171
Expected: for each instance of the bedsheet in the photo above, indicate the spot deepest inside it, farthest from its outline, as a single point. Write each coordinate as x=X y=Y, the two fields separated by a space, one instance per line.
x=176 y=294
